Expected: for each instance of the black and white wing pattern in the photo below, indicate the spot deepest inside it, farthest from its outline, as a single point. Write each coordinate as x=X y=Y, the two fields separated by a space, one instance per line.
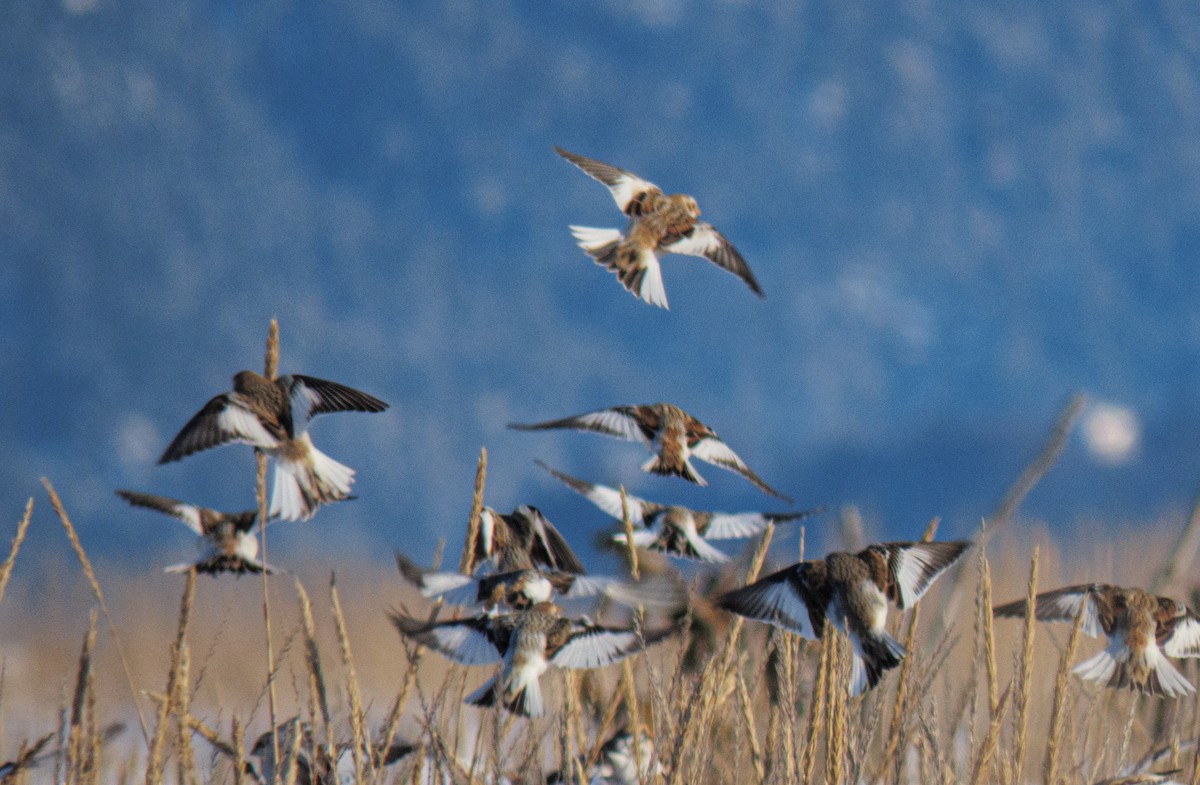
x=794 y=598
x=606 y=498
x=310 y=396
x=622 y=422
x=1064 y=605
x=226 y=418
x=912 y=567
x=711 y=449
x=704 y=241
x=469 y=641
x=189 y=514
x=627 y=189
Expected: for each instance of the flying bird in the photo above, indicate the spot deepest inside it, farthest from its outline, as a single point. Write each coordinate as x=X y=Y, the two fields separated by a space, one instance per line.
x=523 y=539
x=673 y=529
x=527 y=642
x=1141 y=628
x=299 y=748
x=227 y=542
x=273 y=417
x=673 y=435
x=1149 y=778
x=658 y=223
x=850 y=590
x=525 y=588
x=617 y=763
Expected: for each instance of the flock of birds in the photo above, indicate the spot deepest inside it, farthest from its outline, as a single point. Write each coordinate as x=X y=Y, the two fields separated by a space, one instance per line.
x=526 y=571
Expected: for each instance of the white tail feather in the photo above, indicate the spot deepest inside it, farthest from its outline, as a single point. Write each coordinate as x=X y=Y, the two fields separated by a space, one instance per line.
x=302 y=486
x=591 y=239
x=1099 y=668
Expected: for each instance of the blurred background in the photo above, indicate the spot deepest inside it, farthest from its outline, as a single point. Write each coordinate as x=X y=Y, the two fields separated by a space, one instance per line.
x=961 y=214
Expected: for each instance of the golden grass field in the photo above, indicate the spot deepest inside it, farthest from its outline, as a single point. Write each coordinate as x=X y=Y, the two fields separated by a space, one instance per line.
x=972 y=703
x=185 y=662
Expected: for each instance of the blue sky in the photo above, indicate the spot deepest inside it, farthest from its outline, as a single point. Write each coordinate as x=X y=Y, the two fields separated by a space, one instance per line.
x=961 y=214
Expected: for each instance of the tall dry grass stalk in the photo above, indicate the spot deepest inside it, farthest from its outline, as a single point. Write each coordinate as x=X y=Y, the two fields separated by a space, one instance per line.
x=86 y=564
x=816 y=713
x=158 y=747
x=270 y=371
x=363 y=766
x=316 y=674
x=1059 y=708
x=627 y=525
x=1041 y=465
x=466 y=564
x=78 y=745
x=1025 y=684
x=991 y=741
x=18 y=538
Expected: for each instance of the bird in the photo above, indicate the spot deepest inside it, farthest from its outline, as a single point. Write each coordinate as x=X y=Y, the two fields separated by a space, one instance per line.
x=521 y=540
x=524 y=588
x=673 y=529
x=298 y=746
x=1140 y=627
x=273 y=417
x=617 y=762
x=527 y=642
x=1148 y=778
x=226 y=544
x=673 y=435
x=851 y=590
x=658 y=223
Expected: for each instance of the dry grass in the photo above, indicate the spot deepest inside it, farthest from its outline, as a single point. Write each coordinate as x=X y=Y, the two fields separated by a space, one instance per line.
x=762 y=706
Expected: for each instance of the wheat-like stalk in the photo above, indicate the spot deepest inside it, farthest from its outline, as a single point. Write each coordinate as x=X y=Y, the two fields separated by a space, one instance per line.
x=18 y=538
x=1025 y=685
x=1060 y=706
x=154 y=771
x=466 y=564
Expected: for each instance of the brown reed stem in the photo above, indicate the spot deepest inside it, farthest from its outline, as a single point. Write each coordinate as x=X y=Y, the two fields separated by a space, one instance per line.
x=357 y=717
x=187 y=764
x=1026 y=673
x=1058 y=712
x=989 y=743
x=466 y=564
x=270 y=371
x=77 y=739
x=316 y=674
x=816 y=714
x=747 y=706
x=154 y=769
x=1041 y=465
x=18 y=538
x=61 y=511
x=627 y=524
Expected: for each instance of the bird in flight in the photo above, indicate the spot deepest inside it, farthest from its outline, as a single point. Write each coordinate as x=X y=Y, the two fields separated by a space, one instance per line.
x=227 y=541
x=673 y=529
x=673 y=435
x=273 y=417
x=527 y=642
x=1141 y=628
x=850 y=590
x=658 y=223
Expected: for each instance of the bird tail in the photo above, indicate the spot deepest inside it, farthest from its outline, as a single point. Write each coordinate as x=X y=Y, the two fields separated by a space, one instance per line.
x=303 y=484
x=636 y=268
x=526 y=700
x=875 y=653
x=658 y=465
x=1147 y=671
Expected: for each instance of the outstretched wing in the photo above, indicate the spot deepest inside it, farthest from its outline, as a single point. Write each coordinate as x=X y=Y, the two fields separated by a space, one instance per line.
x=913 y=566
x=311 y=396
x=785 y=598
x=468 y=641
x=622 y=422
x=547 y=545
x=728 y=526
x=628 y=190
x=1179 y=629
x=705 y=241
x=224 y=419
x=188 y=513
x=714 y=451
x=1063 y=605
x=607 y=499
x=594 y=646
